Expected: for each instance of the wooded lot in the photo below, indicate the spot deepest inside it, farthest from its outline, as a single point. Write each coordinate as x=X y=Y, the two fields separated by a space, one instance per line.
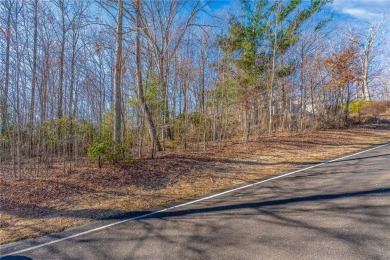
x=113 y=81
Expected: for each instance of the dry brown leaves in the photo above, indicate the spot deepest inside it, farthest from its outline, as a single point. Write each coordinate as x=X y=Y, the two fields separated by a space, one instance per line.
x=33 y=206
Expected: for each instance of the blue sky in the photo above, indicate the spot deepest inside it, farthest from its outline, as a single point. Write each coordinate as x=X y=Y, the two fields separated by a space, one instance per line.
x=367 y=10
x=354 y=10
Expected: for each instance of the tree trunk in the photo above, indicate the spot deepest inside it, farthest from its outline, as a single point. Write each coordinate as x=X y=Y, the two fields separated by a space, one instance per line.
x=34 y=72
x=4 y=103
x=118 y=75
x=346 y=112
x=61 y=69
x=141 y=96
x=366 y=92
x=34 y=78
x=271 y=92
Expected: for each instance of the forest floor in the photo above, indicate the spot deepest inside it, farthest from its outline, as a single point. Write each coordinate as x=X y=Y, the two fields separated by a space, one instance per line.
x=34 y=206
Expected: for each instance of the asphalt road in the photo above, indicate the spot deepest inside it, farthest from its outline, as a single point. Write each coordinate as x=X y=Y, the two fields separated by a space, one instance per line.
x=339 y=210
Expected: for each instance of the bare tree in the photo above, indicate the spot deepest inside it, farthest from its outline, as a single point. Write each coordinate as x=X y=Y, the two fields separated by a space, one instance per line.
x=368 y=41
x=118 y=74
x=4 y=100
x=34 y=72
x=164 y=29
x=141 y=96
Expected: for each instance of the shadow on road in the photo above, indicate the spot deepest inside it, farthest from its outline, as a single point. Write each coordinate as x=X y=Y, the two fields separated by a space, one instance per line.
x=362 y=158
x=203 y=234
x=16 y=257
x=200 y=233
x=320 y=197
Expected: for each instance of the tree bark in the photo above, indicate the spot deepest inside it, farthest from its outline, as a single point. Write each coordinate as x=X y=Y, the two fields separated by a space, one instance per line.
x=61 y=61
x=4 y=102
x=34 y=71
x=141 y=96
x=118 y=75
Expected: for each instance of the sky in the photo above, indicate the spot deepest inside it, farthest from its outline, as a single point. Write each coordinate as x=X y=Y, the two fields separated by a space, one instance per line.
x=365 y=10
x=353 y=10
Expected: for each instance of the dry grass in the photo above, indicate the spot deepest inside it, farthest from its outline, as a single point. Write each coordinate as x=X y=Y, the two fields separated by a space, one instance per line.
x=34 y=206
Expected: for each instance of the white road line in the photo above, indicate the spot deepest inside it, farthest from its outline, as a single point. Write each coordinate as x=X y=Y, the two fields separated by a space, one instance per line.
x=187 y=203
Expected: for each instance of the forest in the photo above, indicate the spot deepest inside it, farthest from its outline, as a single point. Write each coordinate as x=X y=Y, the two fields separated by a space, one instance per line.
x=113 y=81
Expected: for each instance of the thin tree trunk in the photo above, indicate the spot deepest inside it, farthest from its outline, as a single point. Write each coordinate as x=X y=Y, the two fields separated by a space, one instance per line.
x=34 y=72
x=273 y=72
x=4 y=103
x=185 y=113
x=346 y=112
x=118 y=75
x=62 y=56
x=366 y=92
x=33 y=79
x=141 y=96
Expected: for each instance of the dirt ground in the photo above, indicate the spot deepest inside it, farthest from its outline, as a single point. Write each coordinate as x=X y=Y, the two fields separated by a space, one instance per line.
x=34 y=206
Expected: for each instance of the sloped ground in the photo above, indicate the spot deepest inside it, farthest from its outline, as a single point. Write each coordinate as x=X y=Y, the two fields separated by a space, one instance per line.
x=54 y=201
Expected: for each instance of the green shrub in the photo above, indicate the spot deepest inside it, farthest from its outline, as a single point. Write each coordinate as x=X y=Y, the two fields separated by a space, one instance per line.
x=106 y=151
x=101 y=150
x=355 y=106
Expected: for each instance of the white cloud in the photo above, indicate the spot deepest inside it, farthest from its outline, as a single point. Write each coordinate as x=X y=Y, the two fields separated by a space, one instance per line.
x=355 y=12
x=361 y=13
x=362 y=9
